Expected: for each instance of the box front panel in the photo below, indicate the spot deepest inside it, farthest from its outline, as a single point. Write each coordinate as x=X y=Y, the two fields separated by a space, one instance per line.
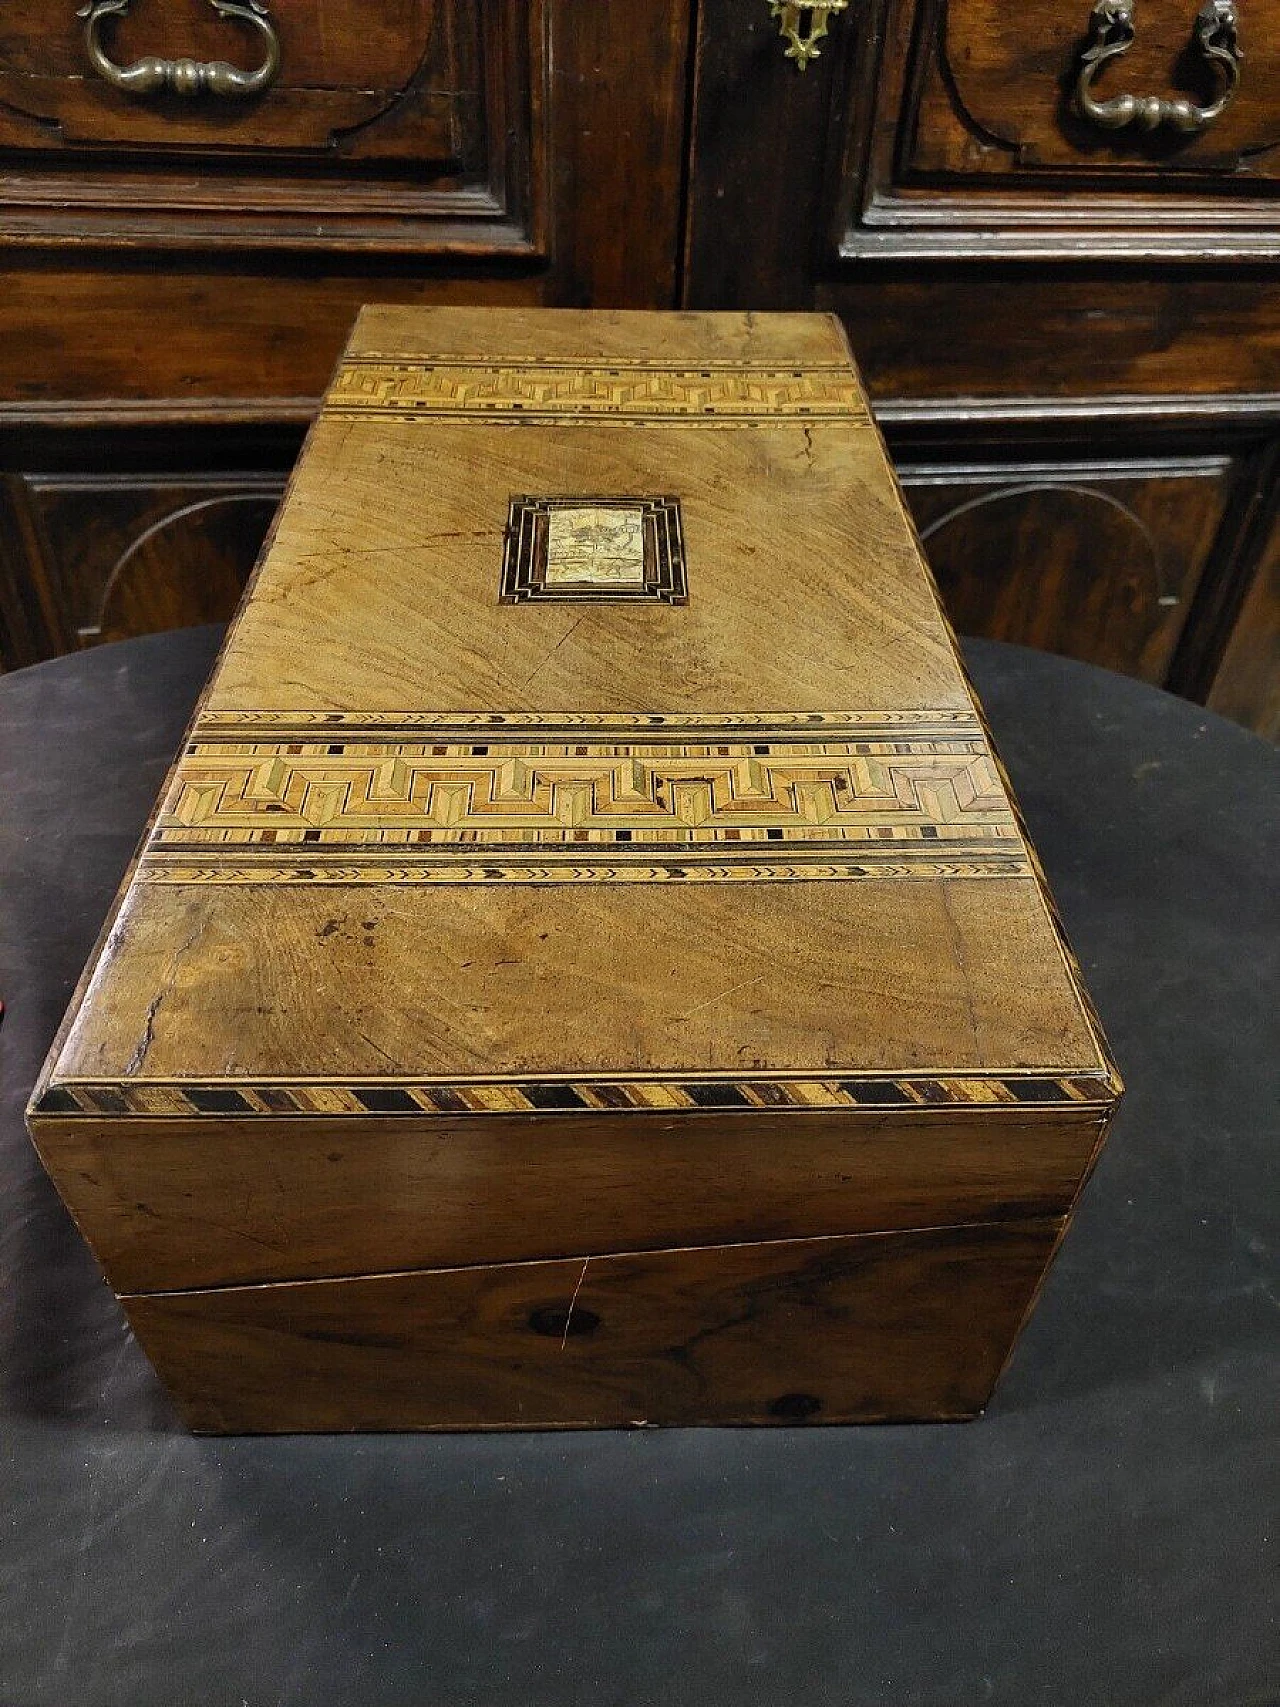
x=188 y=1203
x=890 y=1327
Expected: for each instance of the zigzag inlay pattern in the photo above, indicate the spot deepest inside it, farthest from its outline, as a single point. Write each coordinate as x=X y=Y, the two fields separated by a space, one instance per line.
x=564 y=802
x=631 y=392
x=191 y=868
x=243 y=725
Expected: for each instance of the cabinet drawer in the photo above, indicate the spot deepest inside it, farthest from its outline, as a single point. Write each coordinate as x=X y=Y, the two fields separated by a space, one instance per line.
x=383 y=123
x=1096 y=560
x=1000 y=91
x=976 y=141
x=342 y=64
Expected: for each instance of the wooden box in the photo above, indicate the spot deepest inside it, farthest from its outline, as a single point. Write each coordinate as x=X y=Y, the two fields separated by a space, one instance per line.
x=585 y=967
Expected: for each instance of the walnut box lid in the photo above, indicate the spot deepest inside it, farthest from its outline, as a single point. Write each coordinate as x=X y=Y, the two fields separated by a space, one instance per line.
x=589 y=749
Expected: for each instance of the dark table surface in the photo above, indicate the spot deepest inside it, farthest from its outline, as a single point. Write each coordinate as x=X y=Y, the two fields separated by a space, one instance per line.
x=1106 y=1534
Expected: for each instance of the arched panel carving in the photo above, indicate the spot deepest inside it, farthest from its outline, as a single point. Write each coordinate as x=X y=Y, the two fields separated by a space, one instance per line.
x=1096 y=562
x=117 y=555
x=188 y=567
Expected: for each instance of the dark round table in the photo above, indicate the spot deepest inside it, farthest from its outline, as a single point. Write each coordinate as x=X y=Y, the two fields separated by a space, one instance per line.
x=1106 y=1534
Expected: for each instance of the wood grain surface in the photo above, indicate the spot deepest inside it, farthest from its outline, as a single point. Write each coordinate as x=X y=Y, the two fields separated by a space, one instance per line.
x=199 y=1203
x=908 y=1326
x=1246 y=685
x=240 y=981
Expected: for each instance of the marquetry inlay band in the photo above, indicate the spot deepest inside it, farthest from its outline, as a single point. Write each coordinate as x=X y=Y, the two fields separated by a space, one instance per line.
x=941 y=725
x=878 y=1092
x=576 y=798
x=634 y=392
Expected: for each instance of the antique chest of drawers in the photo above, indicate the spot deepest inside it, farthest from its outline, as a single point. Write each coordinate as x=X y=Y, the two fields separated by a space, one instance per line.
x=585 y=967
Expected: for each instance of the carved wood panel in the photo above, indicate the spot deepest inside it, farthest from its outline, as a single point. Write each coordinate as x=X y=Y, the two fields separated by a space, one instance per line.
x=347 y=68
x=1095 y=560
x=963 y=138
x=995 y=87
x=400 y=124
x=117 y=555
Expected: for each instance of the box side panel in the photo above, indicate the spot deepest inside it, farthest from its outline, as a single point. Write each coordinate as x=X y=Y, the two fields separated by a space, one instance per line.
x=909 y=1326
x=179 y=1203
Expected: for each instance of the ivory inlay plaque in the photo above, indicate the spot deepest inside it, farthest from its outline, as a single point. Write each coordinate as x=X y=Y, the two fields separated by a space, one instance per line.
x=594 y=546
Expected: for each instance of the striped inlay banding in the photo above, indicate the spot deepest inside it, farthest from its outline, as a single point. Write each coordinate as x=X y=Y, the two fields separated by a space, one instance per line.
x=250 y=1099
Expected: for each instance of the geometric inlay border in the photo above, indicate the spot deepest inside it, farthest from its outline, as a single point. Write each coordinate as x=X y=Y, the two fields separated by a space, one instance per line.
x=632 y=393
x=280 y=797
x=879 y=1093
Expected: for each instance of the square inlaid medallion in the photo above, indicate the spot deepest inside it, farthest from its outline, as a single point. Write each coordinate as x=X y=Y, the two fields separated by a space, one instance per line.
x=599 y=548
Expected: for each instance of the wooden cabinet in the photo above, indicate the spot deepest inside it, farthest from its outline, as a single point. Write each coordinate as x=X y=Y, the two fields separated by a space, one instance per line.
x=1071 y=329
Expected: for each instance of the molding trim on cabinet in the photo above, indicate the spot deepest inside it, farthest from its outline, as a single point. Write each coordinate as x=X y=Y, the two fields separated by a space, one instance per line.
x=1253 y=409
x=93 y=412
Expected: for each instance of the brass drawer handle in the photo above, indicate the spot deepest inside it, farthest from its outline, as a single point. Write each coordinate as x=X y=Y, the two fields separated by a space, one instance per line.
x=183 y=76
x=1111 y=34
x=792 y=15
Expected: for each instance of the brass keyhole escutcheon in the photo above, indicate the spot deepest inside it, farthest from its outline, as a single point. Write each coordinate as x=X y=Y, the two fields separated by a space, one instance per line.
x=802 y=24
